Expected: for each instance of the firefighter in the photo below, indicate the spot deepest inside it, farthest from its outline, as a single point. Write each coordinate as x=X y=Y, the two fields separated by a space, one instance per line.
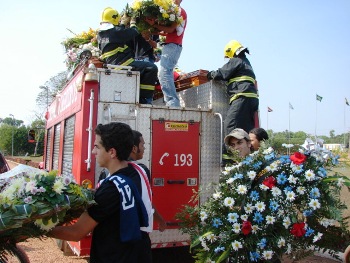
x=113 y=39
x=241 y=87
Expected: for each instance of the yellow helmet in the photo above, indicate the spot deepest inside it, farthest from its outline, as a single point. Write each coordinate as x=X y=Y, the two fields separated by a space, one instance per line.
x=110 y=15
x=233 y=48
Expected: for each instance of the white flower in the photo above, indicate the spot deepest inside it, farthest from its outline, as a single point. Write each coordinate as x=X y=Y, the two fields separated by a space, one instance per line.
x=251 y=175
x=270 y=220
x=340 y=182
x=310 y=175
x=273 y=166
x=301 y=190
x=211 y=238
x=242 y=189
x=203 y=215
x=289 y=248
x=314 y=204
x=267 y=254
x=292 y=179
x=45 y=227
x=244 y=217
x=268 y=151
x=281 y=242
x=327 y=222
x=217 y=195
x=290 y=195
x=236 y=245
x=276 y=191
x=58 y=186
x=286 y=222
x=249 y=208
x=232 y=217
x=317 y=237
x=230 y=180
x=236 y=228
x=172 y=17
x=263 y=187
x=229 y=201
x=260 y=206
x=255 y=229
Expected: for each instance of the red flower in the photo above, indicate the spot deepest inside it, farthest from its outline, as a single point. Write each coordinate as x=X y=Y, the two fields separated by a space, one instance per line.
x=298 y=229
x=298 y=158
x=246 y=227
x=269 y=182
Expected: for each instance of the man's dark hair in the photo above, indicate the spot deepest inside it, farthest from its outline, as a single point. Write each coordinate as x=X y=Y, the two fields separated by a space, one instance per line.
x=137 y=137
x=260 y=134
x=116 y=135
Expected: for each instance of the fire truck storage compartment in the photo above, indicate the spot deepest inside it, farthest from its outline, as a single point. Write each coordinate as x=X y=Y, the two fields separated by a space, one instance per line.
x=198 y=144
x=119 y=85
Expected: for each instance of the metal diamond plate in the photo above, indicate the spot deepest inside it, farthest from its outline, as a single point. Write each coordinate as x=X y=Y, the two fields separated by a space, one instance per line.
x=118 y=86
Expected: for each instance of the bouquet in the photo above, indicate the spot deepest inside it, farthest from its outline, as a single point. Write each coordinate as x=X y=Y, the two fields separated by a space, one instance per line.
x=32 y=204
x=165 y=12
x=75 y=45
x=269 y=205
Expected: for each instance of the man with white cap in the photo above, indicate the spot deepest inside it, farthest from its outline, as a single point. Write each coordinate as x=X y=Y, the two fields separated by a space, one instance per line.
x=237 y=140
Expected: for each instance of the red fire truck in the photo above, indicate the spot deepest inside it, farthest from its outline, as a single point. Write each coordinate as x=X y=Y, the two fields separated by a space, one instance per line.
x=183 y=145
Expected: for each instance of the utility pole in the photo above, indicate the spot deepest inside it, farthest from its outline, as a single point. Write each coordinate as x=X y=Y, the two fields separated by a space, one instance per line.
x=13 y=124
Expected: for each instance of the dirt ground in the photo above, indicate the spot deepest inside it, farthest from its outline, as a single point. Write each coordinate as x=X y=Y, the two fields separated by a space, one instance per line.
x=47 y=251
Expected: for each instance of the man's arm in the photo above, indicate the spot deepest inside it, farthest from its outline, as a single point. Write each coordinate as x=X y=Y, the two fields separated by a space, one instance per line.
x=161 y=28
x=159 y=219
x=75 y=232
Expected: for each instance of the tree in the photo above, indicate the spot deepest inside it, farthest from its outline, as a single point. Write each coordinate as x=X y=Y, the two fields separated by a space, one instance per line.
x=331 y=134
x=50 y=89
x=12 y=121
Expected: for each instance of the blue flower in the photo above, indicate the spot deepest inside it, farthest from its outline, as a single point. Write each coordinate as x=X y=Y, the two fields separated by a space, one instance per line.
x=254 y=195
x=335 y=160
x=281 y=179
x=218 y=249
x=254 y=256
x=217 y=222
x=262 y=243
x=238 y=176
x=247 y=160
x=307 y=213
x=257 y=165
x=274 y=205
x=258 y=217
x=315 y=193
x=270 y=156
x=322 y=172
x=309 y=232
x=285 y=159
x=288 y=189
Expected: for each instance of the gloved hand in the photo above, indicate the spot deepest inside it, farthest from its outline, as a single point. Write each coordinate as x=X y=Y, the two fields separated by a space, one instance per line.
x=210 y=75
x=133 y=22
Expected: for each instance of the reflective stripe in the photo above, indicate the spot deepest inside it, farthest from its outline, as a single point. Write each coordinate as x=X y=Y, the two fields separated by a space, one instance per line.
x=147 y=87
x=128 y=62
x=248 y=95
x=113 y=52
x=241 y=78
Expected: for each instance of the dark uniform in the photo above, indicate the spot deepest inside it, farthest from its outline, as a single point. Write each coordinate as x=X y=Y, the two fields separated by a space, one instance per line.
x=113 y=43
x=240 y=80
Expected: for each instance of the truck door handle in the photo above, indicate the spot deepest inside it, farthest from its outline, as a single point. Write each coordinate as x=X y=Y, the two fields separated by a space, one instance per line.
x=176 y=181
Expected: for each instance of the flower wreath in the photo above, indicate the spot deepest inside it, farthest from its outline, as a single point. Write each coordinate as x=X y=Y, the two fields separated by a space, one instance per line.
x=269 y=205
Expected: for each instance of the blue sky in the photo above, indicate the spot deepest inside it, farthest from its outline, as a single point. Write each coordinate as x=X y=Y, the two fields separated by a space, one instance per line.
x=298 y=49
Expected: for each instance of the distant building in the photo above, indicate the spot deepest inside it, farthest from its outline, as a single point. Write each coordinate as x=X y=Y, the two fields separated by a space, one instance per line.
x=333 y=146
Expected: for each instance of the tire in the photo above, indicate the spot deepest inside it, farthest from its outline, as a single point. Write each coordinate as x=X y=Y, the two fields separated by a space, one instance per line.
x=14 y=254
